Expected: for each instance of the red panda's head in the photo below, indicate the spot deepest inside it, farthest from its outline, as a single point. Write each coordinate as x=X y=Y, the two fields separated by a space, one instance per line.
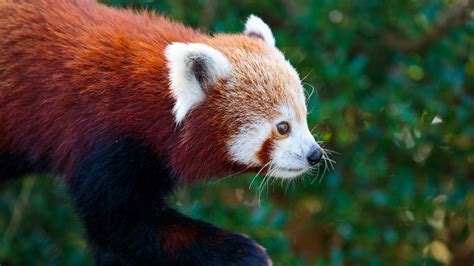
x=249 y=98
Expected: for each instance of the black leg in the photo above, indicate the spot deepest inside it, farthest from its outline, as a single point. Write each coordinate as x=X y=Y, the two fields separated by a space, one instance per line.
x=120 y=190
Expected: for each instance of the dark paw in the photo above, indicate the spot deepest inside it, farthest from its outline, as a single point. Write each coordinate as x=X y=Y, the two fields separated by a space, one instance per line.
x=240 y=250
x=216 y=248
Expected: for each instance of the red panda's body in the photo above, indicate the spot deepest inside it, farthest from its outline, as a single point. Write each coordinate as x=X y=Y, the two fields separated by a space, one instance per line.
x=126 y=105
x=83 y=70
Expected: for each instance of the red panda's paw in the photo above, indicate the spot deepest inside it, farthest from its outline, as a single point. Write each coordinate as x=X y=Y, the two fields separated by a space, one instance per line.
x=219 y=248
x=241 y=250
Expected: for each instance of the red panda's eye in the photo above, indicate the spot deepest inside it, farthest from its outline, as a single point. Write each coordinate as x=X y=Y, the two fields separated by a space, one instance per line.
x=283 y=128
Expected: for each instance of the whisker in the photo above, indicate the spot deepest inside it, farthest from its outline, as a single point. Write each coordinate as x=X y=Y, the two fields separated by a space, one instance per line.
x=313 y=128
x=286 y=187
x=261 y=169
x=261 y=187
x=312 y=91
x=324 y=170
x=309 y=73
x=267 y=184
x=273 y=181
x=326 y=158
x=331 y=151
x=317 y=172
x=318 y=136
x=231 y=175
x=303 y=178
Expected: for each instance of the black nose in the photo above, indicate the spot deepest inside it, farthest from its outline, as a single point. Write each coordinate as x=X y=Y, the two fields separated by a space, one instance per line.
x=315 y=155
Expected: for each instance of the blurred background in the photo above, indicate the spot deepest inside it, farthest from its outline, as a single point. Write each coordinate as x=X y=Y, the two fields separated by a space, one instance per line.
x=392 y=91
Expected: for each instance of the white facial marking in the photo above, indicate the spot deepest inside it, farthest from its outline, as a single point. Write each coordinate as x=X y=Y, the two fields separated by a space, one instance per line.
x=289 y=156
x=185 y=86
x=256 y=27
x=245 y=146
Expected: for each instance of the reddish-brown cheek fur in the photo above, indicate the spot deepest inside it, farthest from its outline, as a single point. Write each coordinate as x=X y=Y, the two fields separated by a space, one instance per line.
x=264 y=155
x=80 y=72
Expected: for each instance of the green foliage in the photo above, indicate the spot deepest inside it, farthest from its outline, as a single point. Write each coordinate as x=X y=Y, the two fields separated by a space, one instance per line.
x=401 y=118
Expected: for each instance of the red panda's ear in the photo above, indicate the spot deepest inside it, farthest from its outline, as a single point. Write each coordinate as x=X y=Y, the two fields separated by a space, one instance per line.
x=255 y=27
x=192 y=68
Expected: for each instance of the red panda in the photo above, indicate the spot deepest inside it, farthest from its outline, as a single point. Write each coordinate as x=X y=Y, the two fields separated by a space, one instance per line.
x=126 y=105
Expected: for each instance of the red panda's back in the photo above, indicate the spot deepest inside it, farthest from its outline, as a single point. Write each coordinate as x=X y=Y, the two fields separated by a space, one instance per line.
x=72 y=70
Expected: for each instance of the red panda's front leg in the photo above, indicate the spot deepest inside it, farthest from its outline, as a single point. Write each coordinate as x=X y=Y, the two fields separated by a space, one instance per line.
x=119 y=189
x=192 y=242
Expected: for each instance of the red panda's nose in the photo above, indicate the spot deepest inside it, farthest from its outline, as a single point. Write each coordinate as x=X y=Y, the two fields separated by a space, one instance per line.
x=315 y=155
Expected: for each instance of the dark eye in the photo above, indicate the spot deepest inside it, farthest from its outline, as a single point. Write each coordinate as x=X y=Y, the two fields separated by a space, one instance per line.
x=283 y=128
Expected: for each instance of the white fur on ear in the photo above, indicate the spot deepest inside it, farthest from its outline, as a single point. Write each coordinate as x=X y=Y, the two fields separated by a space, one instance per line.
x=255 y=27
x=192 y=67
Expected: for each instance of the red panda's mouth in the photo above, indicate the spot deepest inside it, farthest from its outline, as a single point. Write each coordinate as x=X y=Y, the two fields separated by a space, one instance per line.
x=292 y=169
x=282 y=172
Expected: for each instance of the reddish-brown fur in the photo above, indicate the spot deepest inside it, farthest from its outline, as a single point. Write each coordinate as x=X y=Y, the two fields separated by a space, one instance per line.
x=73 y=72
